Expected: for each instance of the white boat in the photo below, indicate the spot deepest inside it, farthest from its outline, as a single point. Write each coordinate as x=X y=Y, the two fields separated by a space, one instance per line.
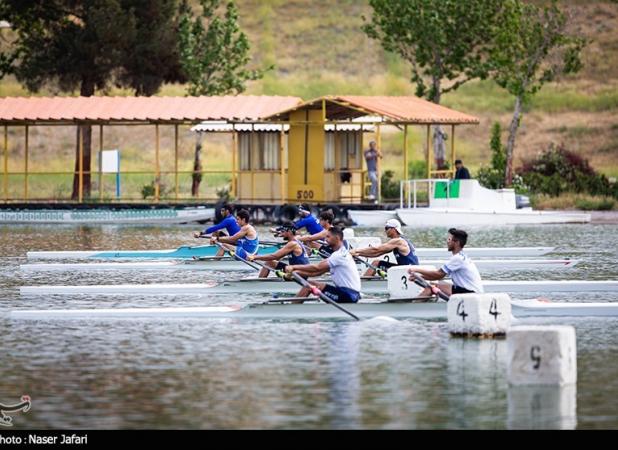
x=108 y=216
x=463 y=203
x=371 y=218
x=314 y=310
x=276 y=285
x=228 y=265
x=205 y=251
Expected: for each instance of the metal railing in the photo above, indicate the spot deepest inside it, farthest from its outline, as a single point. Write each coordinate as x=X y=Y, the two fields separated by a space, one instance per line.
x=408 y=189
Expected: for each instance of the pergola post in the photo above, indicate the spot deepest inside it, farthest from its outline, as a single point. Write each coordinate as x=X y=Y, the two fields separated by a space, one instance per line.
x=26 y=150
x=379 y=139
x=453 y=150
x=281 y=168
x=405 y=152
x=80 y=165
x=234 y=160
x=429 y=151
x=6 y=163
x=176 y=161
x=157 y=167
x=100 y=161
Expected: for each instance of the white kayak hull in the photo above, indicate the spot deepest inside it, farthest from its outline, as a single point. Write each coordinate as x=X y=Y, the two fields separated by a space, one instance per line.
x=228 y=265
x=314 y=310
x=453 y=217
x=276 y=285
x=188 y=252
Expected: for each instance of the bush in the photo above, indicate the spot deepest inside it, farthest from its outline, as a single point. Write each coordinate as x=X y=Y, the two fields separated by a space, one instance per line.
x=600 y=204
x=389 y=186
x=557 y=170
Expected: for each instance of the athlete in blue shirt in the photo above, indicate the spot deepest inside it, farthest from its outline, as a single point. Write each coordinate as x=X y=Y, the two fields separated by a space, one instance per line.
x=307 y=221
x=228 y=224
x=246 y=240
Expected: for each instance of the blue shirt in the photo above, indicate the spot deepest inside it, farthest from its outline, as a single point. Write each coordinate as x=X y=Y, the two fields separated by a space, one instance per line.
x=229 y=223
x=310 y=223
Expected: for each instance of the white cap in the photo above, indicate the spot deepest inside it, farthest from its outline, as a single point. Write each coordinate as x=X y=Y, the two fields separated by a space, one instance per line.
x=394 y=223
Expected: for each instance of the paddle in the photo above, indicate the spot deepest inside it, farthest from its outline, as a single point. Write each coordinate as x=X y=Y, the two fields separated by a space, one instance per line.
x=315 y=291
x=434 y=289
x=234 y=255
x=380 y=272
x=300 y=280
x=262 y=243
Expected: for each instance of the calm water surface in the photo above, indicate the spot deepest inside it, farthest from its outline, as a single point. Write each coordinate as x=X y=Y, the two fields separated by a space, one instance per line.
x=229 y=373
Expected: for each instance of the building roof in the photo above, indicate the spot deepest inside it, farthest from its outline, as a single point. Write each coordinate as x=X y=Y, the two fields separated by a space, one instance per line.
x=69 y=110
x=410 y=110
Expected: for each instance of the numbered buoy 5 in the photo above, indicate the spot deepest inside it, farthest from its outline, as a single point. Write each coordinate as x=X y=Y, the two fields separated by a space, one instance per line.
x=542 y=355
x=399 y=285
x=479 y=315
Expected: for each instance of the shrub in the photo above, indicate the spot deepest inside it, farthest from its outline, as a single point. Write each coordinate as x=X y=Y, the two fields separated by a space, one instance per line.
x=557 y=170
x=388 y=185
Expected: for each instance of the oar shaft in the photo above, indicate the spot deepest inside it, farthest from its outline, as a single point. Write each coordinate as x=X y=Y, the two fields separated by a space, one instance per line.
x=300 y=280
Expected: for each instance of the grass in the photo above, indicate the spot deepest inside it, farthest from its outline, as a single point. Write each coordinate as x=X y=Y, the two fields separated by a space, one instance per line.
x=574 y=201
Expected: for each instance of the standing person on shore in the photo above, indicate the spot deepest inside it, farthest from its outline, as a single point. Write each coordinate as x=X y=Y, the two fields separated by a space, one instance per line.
x=371 y=157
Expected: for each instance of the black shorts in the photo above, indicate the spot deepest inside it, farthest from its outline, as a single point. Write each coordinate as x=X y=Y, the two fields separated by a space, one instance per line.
x=341 y=294
x=460 y=290
x=385 y=265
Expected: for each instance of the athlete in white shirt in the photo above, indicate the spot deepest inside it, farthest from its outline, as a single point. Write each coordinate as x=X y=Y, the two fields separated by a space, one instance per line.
x=463 y=272
x=346 y=279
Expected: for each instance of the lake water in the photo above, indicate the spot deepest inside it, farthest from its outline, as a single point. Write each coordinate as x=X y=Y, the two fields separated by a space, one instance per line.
x=230 y=373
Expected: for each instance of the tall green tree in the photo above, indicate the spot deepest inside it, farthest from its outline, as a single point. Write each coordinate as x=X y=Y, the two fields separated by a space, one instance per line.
x=214 y=53
x=531 y=47
x=83 y=46
x=446 y=42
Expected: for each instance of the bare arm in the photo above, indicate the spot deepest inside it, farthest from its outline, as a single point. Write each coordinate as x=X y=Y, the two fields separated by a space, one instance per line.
x=313 y=237
x=428 y=274
x=310 y=270
x=232 y=239
x=282 y=252
x=372 y=252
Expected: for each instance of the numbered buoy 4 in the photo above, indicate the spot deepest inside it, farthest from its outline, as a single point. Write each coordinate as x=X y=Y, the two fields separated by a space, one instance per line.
x=479 y=315
x=542 y=355
x=399 y=284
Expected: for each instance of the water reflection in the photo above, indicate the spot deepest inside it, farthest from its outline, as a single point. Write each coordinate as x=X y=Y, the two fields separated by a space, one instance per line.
x=542 y=407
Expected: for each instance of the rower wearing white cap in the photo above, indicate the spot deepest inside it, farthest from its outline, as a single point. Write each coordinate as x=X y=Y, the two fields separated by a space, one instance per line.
x=463 y=272
x=401 y=247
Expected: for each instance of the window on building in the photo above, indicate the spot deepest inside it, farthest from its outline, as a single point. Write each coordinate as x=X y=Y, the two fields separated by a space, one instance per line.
x=329 y=151
x=258 y=151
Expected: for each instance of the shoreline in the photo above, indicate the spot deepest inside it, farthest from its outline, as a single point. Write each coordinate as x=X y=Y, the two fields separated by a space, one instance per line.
x=604 y=217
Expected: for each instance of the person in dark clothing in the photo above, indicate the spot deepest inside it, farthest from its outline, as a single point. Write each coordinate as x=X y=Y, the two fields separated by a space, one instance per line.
x=461 y=173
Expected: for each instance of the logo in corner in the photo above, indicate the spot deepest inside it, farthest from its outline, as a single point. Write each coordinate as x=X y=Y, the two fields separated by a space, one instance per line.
x=24 y=406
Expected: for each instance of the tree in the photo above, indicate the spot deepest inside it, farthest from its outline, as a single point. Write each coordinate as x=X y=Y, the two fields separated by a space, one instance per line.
x=72 y=45
x=531 y=48
x=214 y=56
x=446 y=42
x=214 y=53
